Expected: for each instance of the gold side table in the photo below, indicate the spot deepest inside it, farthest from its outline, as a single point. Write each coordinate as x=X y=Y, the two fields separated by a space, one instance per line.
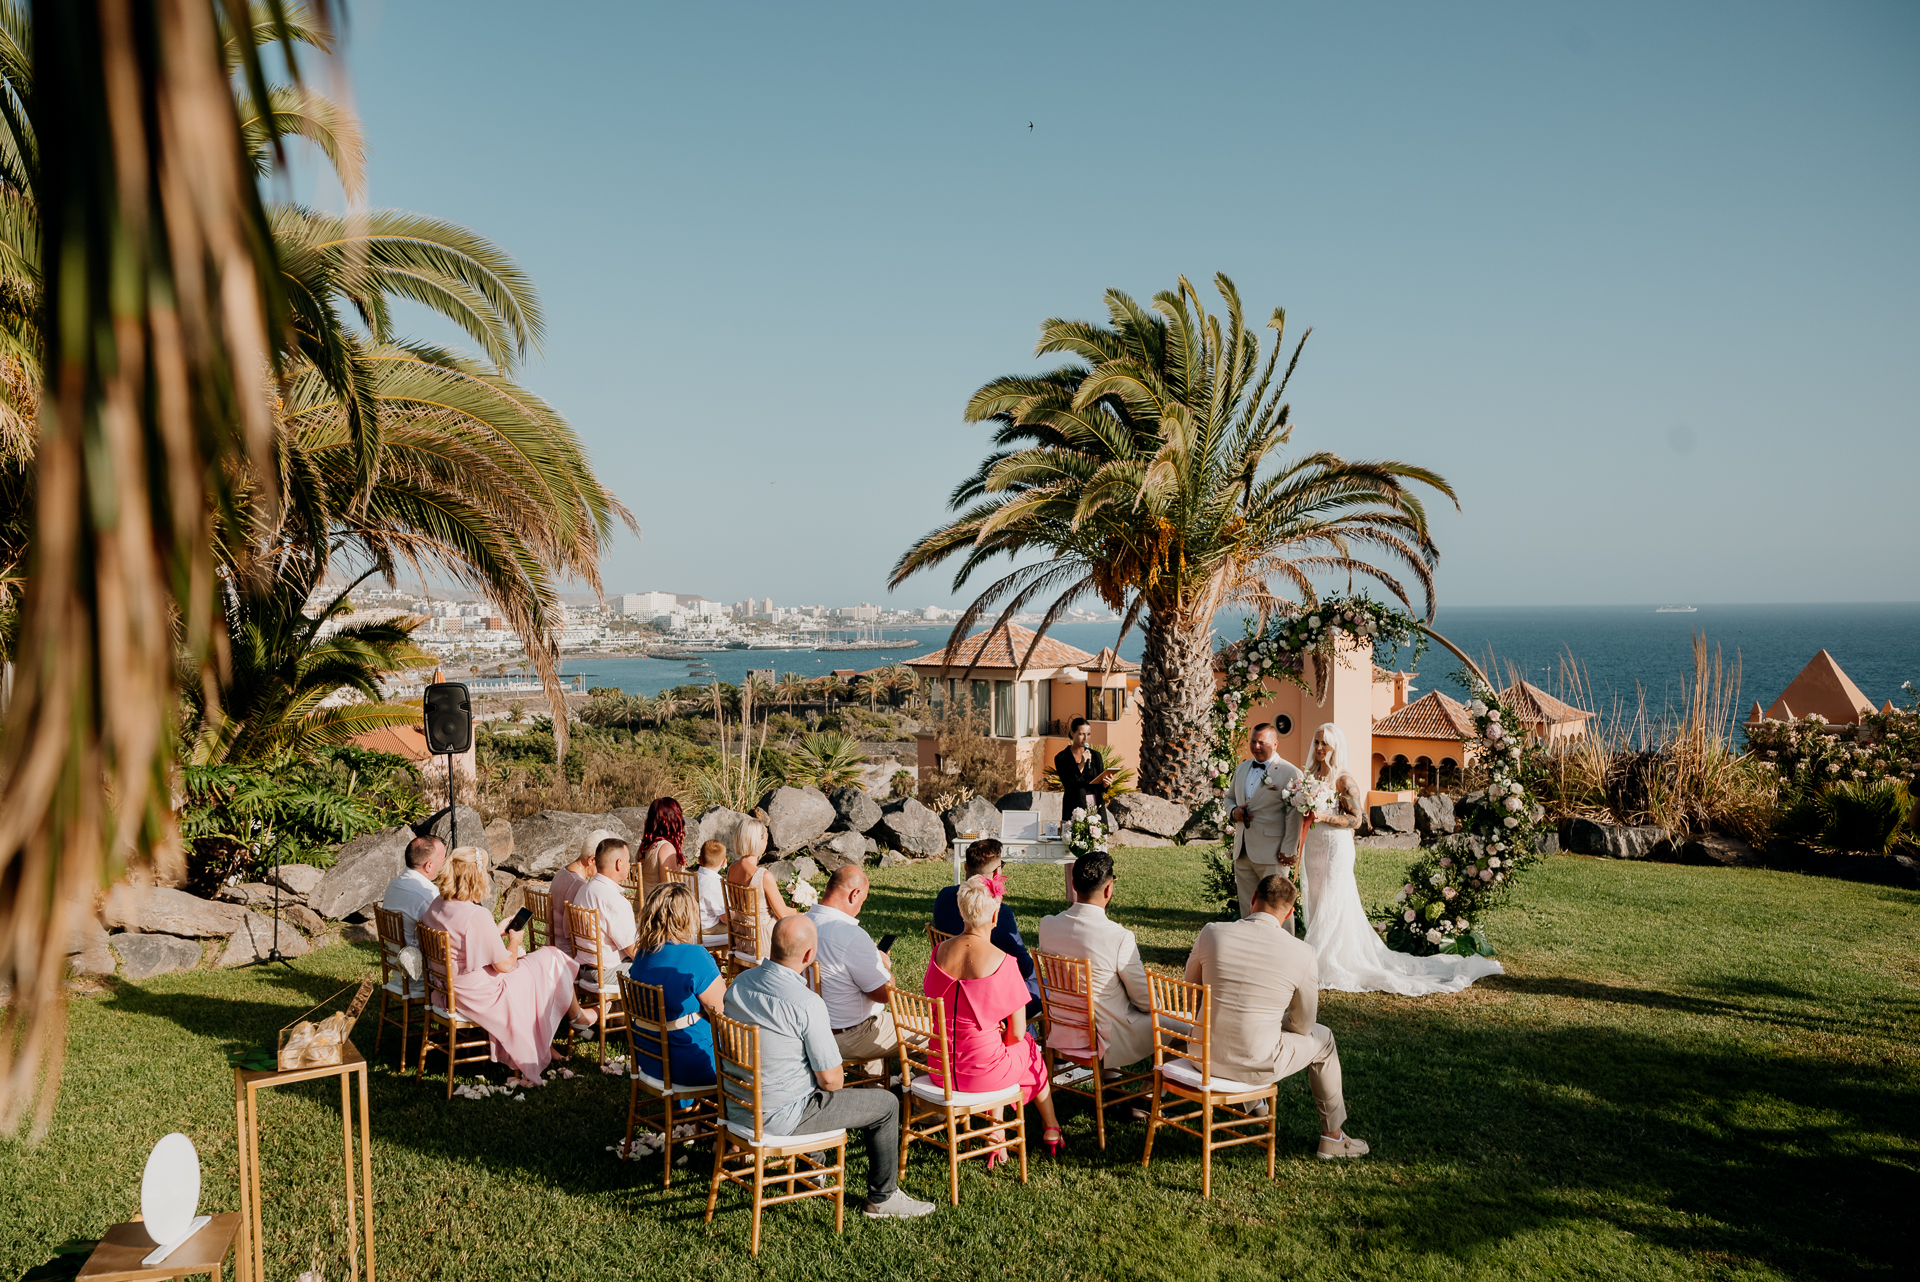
x=121 y=1254
x=250 y=1261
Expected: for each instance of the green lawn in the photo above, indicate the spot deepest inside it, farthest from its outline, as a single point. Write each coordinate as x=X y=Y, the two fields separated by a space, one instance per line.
x=1686 y=1073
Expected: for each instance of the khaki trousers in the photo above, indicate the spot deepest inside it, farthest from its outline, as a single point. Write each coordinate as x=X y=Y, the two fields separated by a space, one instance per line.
x=1246 y=879
x=870 y=1042
x=1316 y=1053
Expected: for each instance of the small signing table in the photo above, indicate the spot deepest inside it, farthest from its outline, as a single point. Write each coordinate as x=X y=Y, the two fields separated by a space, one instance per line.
x=247 y=1085
x=1012 y=851
x=119 y=1255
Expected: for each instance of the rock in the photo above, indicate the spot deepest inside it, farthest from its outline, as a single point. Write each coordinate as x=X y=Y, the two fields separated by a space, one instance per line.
x=471 y=830
x=805 y=868
x=1611 y=841
x=253 y=894
x=297 y=879
x=1550 y=844
x=1133 y=837
x=1391 y=840
x=911 y=828
x=893 y=859
x=545 y=843
x=87 y=952
x=797 y=817
x=781 y=869
x=1047 y=804
x=978 y=816
x=716 y=823
x=144 y=956
x=499 y=839
x=303 y=917
x=1154 y=815
x=509 y=894
x=360 y=872
x=1392 y=817
x=255 y=939
x=854 y=810
x=633 y=818
x=1713 y=848
x=360 y=932
x=843 y=846
x=164 y=911
x=1433 y=816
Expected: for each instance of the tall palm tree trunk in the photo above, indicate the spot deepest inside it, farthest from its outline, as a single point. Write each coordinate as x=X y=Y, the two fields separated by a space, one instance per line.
x=1176 y=713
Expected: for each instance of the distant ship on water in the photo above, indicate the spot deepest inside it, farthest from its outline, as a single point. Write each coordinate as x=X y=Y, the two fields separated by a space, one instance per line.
x=1677 y=609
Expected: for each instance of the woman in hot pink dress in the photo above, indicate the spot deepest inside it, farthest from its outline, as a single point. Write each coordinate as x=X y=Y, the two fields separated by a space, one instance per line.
x=518 y=997
x=984 y=993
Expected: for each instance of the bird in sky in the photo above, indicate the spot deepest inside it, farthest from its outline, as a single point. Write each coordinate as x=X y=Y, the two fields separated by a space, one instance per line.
x=1029 y=126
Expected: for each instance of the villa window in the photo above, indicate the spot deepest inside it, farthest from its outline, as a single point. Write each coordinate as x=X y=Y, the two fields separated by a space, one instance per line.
x=1003 y=709
x=1104 y=705
x=982 y=696
x=1023 y=703
x=1043 y=708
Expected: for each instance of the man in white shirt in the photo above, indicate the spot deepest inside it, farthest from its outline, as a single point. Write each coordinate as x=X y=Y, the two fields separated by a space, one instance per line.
x=411 y=892
x=1122 y=1009
x=1266 y=831
x=619 y=935
x=854 y=974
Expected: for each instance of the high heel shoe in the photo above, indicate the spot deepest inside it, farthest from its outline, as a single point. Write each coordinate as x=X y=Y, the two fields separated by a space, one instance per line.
x=999 y=1156
x=1054 y=1145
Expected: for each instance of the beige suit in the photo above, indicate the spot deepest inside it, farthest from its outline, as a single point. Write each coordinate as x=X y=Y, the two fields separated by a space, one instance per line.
x=1122 y=1010
x=1264 y=989
x=1272 y=830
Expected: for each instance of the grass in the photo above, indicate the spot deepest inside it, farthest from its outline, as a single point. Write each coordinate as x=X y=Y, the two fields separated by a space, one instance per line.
x=1686 y=1073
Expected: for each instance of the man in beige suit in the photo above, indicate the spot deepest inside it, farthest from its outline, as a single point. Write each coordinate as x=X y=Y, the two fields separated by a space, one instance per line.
x=1265 y=991
x=1266 y=831
x=1122 y=1011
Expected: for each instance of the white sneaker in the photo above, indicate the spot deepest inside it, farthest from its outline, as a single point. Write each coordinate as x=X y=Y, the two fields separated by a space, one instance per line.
x=899 y=1207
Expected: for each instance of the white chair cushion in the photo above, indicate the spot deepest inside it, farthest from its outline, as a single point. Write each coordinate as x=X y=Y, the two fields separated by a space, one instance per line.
x=818 y=1138
x=1187 y=1074
x=745 y=959
x=720 y=940
x=399 y=987
x=585 y=987
x=932 y=1092
x=659 y=1087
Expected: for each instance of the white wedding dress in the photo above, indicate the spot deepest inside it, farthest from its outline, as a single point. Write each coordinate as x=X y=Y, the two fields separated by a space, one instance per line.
x=1353 y=958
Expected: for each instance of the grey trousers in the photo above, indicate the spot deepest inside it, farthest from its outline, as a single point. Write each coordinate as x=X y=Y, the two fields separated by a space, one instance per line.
x=873 y=1112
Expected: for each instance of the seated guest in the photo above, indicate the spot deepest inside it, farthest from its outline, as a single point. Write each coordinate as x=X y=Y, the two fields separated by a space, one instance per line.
x=605 y=895
x=706 y=879
x=1265 y=988
x=411 y=892
x=801 y=1081
x=669 y=955
x=518 y=997
x=1122 y=1010
x=983 y=860
x=854 y=974
x=567 y=883
x=750 y=843
x=982 y=990
x=663 y=844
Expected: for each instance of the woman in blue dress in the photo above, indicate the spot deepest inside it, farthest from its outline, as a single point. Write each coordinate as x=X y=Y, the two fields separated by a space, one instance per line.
x=669 y=955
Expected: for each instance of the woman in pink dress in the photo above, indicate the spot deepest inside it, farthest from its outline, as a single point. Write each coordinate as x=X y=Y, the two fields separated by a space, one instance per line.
x=984 y=995
x=518 y=997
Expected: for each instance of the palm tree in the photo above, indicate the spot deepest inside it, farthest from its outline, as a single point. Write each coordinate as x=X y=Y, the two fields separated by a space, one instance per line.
x=825 y=761
x=1147 y=473
x=792 y=687
x=874 y=684
x=830 y=686
x=757 y=689
x=902 y=682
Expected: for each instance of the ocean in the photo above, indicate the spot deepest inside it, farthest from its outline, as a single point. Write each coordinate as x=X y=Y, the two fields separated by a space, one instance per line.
x=1624 y=650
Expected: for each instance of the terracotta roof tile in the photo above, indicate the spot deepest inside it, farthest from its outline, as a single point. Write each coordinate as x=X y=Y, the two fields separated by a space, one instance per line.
x=1536 y=707
x=1431 y=716
x=1109 y=660
x=1004 y=648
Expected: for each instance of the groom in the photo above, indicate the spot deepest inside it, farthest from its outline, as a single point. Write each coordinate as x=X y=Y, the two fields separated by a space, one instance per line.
x=1266 y=832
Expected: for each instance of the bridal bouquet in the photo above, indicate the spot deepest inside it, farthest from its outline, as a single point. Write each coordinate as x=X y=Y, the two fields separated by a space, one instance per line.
x=1310 y=796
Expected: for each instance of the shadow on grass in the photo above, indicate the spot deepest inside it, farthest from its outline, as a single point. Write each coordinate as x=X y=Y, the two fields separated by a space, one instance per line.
x=1767 y=1003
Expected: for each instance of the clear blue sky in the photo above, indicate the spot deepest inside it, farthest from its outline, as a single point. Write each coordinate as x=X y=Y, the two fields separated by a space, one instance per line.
x=1640 y=279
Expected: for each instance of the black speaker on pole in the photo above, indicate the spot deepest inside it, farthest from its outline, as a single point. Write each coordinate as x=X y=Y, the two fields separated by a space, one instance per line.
x=449 y=718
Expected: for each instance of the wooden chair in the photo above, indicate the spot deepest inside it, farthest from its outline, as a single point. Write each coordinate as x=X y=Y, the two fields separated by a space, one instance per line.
x=719 y=944
x=584 y=925
x=540 y=932
x=465 y=1042
x=395 y=987
x=648 y=1030
x=1066 y=987
x=741 y=1152
x=935 y=938
x=946 y=1118
x=1182 y=1068
x=746 y=910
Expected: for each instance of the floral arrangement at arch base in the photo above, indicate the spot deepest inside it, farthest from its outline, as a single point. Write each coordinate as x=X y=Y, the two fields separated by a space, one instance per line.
x=1450 y=888
x=1086 y=832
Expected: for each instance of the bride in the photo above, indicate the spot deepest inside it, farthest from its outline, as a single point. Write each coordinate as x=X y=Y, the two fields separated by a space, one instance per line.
x=1352 y=957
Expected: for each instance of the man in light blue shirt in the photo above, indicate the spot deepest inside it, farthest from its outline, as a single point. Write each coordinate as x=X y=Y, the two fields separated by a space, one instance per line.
x=801 y=1080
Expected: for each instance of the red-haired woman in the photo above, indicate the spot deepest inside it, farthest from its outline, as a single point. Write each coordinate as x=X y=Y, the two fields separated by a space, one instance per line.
x=663 y=844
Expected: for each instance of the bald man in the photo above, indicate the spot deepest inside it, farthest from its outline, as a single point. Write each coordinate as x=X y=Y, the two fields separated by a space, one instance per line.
x=854 y=974
x=801 y=1081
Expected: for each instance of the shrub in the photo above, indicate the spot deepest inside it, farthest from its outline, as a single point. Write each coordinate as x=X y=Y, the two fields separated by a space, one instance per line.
x=824 y=761
x=903 y=781
x=969 y=759
x=1863 y=818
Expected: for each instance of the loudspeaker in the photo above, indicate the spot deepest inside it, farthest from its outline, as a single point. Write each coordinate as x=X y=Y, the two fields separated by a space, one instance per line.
x=449 y=718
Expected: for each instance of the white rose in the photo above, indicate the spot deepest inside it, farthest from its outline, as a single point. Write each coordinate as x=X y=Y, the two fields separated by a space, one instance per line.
x=1494 y=716
x=1493 y=862
x=1079 y=812
x=1513 y=803
x=1407 y=915
x=1511 y=822
x=1478 y=708
x=1433 y=937
x=1436 y=879
x=1515 y=789
x=1314 y=622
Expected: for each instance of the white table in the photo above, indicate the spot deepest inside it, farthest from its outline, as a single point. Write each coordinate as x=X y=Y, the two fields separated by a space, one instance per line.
x=1011 y=852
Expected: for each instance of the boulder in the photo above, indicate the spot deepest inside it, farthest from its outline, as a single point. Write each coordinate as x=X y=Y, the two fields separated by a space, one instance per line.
x=1046 y=803
x=978 y=816
x=1550 y=844
x=854 y=810
x=471 y=830
x=1133 y=837
x=144 y=956
x=87 y=952
x=910 y=827
x=1147 y=814
x=507 y=895
x=297 y=880
x=499 y=839
x=893 y=858
x=1392 y=817
x=805 y=869
x=360 y=932
x=253 y=894
x=633 y=817
x=716 y=823
x=545 y=843
x=165 y=911
x=1433 y=816
x=1714 y=848
x=796 y=817
x=782 y=870
x=1612 y=841
x=360 y=873
x=255 y=939
x=303 y=917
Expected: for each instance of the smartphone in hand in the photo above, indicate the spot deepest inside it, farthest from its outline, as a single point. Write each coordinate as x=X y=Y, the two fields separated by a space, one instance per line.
x=520 y=920
x=887 y=942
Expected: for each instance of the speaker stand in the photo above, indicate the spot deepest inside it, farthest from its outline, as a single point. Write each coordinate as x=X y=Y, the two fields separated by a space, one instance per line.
x=273 y=952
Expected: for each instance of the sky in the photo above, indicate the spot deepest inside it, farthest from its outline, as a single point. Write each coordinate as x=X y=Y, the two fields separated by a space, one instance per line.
x=1638 y=279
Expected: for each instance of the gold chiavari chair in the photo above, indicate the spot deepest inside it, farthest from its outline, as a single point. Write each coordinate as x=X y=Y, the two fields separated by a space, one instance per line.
x=539 y=901
x=649 y=1031
x=718 y=943
x=1066 y=987
x=1182 y=1068
x=931 y=1110
x=465 y=1042
x=741 y=1151
x=584 y=925
x=935 y=938
x=746 y=915
x=406 y=994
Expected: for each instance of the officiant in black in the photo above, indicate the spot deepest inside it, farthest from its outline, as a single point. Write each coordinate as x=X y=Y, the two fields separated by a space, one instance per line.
x=1084 y=777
